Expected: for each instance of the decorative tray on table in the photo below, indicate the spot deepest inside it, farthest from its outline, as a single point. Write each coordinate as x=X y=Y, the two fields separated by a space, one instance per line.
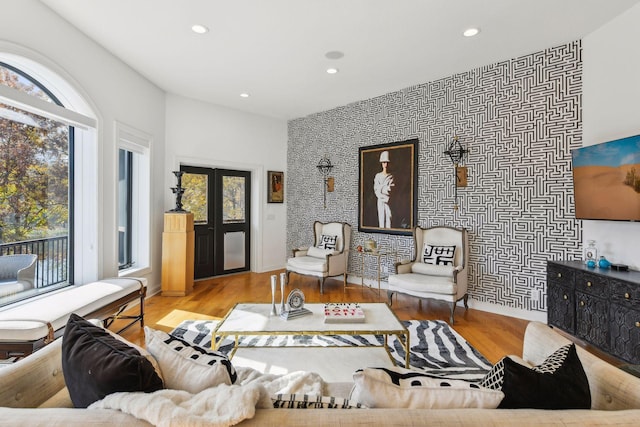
x=343 y=312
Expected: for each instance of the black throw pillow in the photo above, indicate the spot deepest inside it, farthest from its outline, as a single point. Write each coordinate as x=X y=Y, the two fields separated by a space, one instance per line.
x=96 y=364
x=565 y=388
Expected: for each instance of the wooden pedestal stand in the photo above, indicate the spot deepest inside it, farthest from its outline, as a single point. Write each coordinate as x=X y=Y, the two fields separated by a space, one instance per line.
x=177 y=254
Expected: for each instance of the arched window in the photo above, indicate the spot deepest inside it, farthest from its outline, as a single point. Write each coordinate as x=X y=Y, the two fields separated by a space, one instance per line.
x=36 y=188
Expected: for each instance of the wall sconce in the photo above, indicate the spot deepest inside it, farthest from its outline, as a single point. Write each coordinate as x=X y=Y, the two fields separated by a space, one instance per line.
x=456 y=153
x=325 y=166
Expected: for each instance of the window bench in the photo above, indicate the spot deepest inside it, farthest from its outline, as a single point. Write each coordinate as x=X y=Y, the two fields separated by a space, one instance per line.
x=28 y=325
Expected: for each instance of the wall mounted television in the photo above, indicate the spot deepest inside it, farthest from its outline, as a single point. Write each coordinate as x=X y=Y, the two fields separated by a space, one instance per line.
x=606 y=180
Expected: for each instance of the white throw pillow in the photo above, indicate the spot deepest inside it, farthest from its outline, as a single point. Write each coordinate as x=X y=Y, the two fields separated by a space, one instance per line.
x=404 y=388
x=320 y=253
x=186 y=367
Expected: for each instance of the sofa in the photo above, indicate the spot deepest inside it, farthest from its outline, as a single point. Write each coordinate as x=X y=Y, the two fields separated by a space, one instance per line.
x=33 y=393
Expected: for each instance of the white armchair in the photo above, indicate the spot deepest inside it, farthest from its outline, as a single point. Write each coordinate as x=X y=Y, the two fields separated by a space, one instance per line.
x=439 y=270
x=327 y=257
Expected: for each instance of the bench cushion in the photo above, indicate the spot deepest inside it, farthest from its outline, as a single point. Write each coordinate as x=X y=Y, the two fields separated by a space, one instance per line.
x=27 y=320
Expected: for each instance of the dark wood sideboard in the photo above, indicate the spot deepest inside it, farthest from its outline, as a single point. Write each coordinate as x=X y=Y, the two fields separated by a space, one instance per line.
x=601 y=307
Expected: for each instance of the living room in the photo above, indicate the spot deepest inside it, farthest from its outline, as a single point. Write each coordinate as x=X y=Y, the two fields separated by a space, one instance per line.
x=511 y=284
x=518 y=206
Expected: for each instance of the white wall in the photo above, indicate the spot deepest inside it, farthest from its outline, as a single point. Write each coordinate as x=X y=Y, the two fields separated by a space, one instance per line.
x=611 y=96
x=202 y=134
x=115 y=92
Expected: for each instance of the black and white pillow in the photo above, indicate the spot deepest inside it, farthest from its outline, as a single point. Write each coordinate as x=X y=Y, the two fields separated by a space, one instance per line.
x=405 y=388
x=304 y=401
x=327 y=242
x=438 y=255
x=558 y=383
x=495 y=377
x=188 y=367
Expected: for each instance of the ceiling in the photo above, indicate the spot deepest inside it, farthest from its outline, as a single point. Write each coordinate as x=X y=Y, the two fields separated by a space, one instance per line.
x=274 y=50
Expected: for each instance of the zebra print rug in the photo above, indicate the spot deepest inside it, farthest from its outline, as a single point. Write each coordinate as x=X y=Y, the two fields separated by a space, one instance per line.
x=435 y=347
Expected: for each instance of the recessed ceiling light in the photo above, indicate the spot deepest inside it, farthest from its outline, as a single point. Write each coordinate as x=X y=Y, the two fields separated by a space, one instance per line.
x=470 y=32
x=334 y=54
x=244 y=95
x=332 y=70
x=200 y=29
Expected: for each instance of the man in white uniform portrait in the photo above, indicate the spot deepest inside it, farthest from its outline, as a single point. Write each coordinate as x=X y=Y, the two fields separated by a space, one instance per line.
x=382 y=183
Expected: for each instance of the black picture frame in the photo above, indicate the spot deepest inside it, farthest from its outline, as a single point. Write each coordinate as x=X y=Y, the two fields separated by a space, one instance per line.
x=402 y=195
x=275 y=187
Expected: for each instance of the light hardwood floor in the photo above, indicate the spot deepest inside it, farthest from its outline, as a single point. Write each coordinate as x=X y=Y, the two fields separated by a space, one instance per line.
x=491 y=334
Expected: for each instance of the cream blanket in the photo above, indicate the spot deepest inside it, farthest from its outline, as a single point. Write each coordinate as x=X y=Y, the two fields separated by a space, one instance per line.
x=217 y=406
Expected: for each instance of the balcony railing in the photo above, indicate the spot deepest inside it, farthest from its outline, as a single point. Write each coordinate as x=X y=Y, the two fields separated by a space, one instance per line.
x=52 y=266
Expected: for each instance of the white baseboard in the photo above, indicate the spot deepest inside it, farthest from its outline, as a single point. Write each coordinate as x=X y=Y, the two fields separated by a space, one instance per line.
x=519 y=313
x=476 y=305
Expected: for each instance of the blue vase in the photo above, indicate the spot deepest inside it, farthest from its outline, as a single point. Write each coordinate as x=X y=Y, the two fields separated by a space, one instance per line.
x=591 y=264
x=604 y=263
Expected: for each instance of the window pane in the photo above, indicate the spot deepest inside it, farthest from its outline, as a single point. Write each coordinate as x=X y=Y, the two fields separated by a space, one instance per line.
x=233 y=196
x=125 y=214
x=194 y=199
x=34 y=196
x=16 y=79
x=35 y=190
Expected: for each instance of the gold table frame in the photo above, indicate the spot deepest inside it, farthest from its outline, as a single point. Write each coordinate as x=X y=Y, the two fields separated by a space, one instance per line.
x=248 y=319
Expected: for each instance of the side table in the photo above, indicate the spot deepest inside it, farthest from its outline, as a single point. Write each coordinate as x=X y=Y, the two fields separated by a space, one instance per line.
x=378 y=256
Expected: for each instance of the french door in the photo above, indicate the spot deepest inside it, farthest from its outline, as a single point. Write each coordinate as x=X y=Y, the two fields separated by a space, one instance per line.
x=220 y=200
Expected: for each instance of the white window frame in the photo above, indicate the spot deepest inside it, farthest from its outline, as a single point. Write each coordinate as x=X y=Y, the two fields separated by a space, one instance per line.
x=139 y=143
x=80 y=115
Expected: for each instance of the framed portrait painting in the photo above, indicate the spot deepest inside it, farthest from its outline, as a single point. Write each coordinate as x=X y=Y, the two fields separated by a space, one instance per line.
x=275 y=187
x=388 y=180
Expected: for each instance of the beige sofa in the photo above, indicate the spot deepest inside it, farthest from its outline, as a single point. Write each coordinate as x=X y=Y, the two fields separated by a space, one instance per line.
x=37 y=382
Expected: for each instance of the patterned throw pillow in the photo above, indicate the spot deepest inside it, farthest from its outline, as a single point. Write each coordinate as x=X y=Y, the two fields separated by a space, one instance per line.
x=495 y=377
x=404 y=388
x=327 y=242
x=188 y=367
x=304 y=401
x=557 y=383
x=438 y=255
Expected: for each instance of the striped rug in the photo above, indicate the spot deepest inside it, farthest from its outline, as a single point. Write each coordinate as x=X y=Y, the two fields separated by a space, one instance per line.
x=435 y=347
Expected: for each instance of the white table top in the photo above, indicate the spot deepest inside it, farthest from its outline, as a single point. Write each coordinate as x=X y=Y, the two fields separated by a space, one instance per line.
x=254 y=319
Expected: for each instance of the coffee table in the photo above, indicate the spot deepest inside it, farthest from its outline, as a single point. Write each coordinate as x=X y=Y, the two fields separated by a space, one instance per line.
x=255 y=319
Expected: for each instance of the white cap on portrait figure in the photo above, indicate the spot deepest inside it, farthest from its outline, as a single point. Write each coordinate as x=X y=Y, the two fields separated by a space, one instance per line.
x=384 y=157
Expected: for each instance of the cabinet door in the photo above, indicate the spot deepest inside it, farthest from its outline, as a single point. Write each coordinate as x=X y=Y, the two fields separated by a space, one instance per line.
x=592 y=320
x=625 y=333
x=561 y=307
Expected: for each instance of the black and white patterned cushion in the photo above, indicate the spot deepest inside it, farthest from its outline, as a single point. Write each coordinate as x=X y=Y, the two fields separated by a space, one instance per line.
x=188 y=367
x=438 y=255
x=404 y=388
x=566 y=387
x=555 y=360
x=327 y=242
x=495 y=377
x=304 y=401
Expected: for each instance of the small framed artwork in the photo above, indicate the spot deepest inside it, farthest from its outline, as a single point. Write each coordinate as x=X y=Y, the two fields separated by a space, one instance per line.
x=275 y=187
x=388 y=188
x=461 y=176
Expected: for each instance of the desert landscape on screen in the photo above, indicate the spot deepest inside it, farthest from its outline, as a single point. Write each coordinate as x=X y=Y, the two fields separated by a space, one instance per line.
x=600 y=192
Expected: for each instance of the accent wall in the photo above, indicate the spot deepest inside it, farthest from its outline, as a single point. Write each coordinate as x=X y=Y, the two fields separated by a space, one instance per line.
x=519 y=119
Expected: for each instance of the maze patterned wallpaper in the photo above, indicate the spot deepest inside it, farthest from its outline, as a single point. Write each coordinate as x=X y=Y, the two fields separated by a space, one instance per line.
x=519 y=119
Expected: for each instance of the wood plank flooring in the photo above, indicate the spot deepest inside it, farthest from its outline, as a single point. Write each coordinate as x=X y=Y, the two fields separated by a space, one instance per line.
x=491 y=334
